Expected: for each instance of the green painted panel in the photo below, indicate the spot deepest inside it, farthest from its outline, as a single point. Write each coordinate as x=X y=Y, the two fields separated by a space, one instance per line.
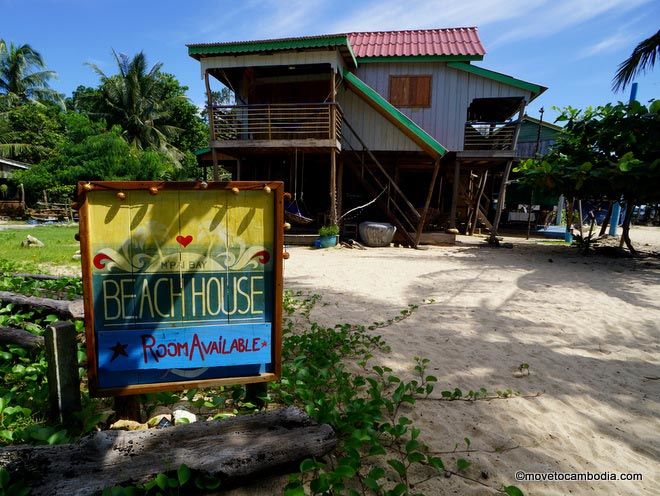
x=498 y=76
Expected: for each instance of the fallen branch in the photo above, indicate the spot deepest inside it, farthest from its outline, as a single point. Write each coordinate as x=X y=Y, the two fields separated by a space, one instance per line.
x=21 y=337
x=472 y=450
x=230 y=449
x=69 y=309
x=483 y=398
x=40 y=277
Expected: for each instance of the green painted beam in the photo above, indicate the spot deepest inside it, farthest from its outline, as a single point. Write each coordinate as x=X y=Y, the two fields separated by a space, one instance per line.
x=266 y=45
x=498 y=76
x=420 y=58
x=395 y=116
x=244 y=47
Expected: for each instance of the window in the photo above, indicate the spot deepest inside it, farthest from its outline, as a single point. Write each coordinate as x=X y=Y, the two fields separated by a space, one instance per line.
x=410 y=91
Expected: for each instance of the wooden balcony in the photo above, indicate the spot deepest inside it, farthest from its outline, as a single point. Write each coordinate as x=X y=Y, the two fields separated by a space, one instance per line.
x=268 y=126
x=489 y=139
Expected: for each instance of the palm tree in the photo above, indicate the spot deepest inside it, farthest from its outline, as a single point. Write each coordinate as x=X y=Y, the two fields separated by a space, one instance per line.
x=23 y=74
x=133 y=99
x=642 y=58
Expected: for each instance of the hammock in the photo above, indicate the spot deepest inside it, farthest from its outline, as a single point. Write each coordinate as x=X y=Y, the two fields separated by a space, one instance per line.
x=292 y=212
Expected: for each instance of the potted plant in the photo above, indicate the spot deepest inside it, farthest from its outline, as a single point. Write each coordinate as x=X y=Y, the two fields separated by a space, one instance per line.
x=328 y=236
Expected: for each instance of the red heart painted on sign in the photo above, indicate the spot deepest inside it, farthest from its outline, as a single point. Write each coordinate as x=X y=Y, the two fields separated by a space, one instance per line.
x=184 y=240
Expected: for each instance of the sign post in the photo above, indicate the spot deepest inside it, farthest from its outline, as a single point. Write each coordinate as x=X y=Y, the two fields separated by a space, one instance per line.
x=182 y=284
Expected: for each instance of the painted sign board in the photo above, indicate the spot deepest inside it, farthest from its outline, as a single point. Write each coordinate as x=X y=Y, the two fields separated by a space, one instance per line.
x=182 y=283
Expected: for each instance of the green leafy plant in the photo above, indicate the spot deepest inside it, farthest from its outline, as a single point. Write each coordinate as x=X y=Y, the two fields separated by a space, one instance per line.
x=331 y=230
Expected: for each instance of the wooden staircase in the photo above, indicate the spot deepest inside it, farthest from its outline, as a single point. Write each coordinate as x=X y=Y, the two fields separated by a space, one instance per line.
x=366 y=168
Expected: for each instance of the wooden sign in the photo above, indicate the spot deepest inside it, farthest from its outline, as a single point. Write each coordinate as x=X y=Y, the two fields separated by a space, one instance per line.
x=182 y=284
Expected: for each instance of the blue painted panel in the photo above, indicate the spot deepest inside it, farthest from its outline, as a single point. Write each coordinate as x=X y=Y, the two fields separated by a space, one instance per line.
x=132 y=377
x=184 y=348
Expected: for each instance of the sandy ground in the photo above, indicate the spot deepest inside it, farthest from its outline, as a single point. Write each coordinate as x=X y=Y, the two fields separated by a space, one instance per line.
x=589 y=328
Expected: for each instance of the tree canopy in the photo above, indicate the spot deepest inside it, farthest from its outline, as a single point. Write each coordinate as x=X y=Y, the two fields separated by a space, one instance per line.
x=140 y=100
x=23 y=73
x=136 y=124
x=604 y=153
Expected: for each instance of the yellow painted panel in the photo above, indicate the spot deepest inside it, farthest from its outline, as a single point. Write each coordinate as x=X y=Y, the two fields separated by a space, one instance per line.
x=154 y=228
x=203 y=229
x=250 y=217
x=250 y=224
x=109 y=219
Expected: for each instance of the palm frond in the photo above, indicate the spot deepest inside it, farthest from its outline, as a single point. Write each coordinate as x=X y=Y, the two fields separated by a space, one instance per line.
x=642 y=58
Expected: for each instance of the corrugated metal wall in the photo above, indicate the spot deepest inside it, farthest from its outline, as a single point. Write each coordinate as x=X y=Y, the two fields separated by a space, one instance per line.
x=451 y=93
x=377 y=132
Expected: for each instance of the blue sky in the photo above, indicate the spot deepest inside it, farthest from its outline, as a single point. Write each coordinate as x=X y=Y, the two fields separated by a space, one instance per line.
x=571 y=46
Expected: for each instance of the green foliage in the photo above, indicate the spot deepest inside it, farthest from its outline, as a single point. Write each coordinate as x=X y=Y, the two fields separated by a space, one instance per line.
x=184 y=115
x=603 y=153
x=87 y=152
x=12 y=488
x=30 y=132
x=149 y=106
x=331 y=230
x=182 y=481
x=23 y=74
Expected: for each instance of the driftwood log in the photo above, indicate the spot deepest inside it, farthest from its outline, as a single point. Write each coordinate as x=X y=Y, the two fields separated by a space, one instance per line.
x=66 y=308
x=232 y=449
x=12 y=335
x=40 y=277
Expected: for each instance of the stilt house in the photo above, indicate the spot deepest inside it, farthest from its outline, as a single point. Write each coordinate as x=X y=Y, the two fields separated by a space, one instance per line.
x=405 y=118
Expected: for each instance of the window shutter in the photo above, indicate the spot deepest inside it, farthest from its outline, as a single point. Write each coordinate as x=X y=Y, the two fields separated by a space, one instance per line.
x=410 y=91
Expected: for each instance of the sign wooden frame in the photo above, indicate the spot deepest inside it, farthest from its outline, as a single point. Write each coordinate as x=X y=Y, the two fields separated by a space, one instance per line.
x=120 y=190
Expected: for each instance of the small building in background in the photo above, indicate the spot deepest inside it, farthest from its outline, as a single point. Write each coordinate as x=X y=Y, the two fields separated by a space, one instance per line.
x=12 y=200
x=529 y=135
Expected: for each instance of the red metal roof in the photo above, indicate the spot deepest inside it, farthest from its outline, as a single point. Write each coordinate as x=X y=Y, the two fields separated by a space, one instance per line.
x=448 y=41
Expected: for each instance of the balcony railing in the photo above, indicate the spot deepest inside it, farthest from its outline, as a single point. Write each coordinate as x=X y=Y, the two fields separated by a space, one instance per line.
x=282 y=121
x=489 y=135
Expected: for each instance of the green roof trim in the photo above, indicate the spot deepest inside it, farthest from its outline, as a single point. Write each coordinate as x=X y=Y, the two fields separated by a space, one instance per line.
x=202 y=151
x=233 y=48
x=394 y=115
x=420 y=58
x=498 y=76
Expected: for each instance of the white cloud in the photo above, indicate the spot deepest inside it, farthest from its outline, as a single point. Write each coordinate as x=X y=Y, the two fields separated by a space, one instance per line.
x=514 y=20
x=411 y=14
x=608 y=44
x=555 y=16
x=258 y=19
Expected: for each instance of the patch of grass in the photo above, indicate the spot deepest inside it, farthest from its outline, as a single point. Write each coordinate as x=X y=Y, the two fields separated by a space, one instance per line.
x=60 y=245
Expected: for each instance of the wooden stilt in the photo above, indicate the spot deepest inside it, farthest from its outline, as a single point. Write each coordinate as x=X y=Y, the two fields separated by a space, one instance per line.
x=216 y=169
x=333 y=187
x=477 y=204
x=501 y=198
x=429 y=194
x=454 y=198
x=340 y=188
x=209 y=109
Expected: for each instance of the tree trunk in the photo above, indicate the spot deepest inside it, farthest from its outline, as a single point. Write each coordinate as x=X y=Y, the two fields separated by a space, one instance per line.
x=20 y=337
x=235 y=448
x=606 y=222
x=69 y=309
x=625 y=235
x=569 y=216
